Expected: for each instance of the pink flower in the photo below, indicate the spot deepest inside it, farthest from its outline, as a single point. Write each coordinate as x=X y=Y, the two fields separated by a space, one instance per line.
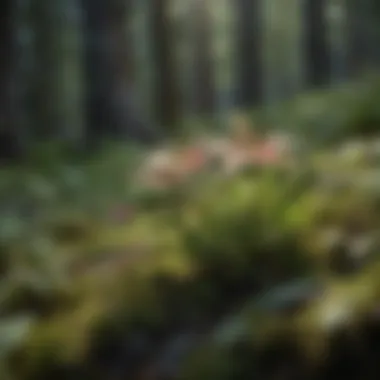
x=269 y=154
x=193 y=159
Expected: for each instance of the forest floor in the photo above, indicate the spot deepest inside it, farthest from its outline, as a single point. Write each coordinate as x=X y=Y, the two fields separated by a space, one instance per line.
x=151 y=245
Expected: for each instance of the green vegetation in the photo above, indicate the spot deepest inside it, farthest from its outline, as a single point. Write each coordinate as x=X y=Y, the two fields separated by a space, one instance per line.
x=88 y=256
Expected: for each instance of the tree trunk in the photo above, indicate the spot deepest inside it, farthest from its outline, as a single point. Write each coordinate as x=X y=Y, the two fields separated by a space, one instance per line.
x=110 y=108
x=10 y=111
x=359 y=40
x=204 y=78
x=375 y=11
x=249 y=51
x=47 y=79
x=317 y=55
x=72 y=107
x=6 y=64
x=166 y=90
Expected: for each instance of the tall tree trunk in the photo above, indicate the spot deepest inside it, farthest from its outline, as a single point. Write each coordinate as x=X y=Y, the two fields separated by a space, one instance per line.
x=9 y=108
x=249 y=52
x=204 y=78
x=6 y=64
x=359 y=20
x=317 y=57
x=282 y=49
x=374 y=23
x=166 y=89
x=47 y=95
x=338 y=41
x=110 y=96
x=72 y=73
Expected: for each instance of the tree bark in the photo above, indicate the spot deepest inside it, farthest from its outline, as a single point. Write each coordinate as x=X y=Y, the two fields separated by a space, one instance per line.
x=47 y=79
x=359 y=36
x=166 y=90
x=249 y=51
x=317 y=55
x=6 y=63
x=110 y=108
x=204 y=78
x=10 y=110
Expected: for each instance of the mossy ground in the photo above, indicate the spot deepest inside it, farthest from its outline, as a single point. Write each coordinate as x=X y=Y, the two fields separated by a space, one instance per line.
x=94 y=257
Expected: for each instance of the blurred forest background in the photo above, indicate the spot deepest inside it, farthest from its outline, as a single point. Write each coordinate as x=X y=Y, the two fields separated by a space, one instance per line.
x=76 y=71
x=189 y=189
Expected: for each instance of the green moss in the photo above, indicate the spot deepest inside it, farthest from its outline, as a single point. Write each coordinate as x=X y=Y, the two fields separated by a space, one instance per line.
x=180 y=255
x=242 y=224
x=121 y=279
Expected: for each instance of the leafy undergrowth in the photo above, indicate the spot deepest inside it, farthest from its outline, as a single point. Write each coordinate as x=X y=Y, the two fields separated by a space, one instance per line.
x=221 y=258
x=326 y=117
